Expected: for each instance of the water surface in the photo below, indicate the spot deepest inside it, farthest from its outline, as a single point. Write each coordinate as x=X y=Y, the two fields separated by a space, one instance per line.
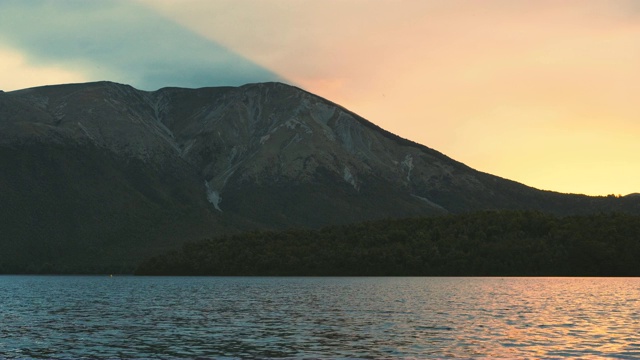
x=187 y=317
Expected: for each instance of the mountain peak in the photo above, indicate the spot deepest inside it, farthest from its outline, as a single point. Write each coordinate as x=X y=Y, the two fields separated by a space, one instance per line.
x=117 y=173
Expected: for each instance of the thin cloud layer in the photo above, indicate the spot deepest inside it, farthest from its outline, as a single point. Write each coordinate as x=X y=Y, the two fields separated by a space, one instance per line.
x=121 y=41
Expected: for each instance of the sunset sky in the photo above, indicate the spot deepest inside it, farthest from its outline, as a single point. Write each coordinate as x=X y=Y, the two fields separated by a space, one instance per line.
x=544 y=92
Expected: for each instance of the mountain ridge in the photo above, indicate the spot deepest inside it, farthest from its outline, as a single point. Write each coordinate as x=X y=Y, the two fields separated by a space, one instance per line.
x=177 y=164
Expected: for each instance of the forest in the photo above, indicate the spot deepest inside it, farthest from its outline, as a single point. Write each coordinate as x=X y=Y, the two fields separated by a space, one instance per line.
x=491 y=243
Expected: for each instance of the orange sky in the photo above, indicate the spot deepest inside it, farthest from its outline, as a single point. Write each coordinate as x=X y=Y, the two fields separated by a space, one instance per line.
x=543 y=92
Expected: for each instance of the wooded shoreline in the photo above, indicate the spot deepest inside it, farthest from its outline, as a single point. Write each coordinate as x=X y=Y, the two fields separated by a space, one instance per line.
x=493 y=243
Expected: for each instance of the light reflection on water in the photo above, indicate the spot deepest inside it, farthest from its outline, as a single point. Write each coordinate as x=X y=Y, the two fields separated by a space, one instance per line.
x=166 y=317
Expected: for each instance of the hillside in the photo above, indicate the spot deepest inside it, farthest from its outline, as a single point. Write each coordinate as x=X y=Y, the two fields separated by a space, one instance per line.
x=505 y=243
x=97 y=176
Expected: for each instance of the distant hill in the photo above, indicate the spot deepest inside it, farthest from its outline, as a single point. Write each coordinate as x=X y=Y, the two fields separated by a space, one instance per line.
x=97 y=176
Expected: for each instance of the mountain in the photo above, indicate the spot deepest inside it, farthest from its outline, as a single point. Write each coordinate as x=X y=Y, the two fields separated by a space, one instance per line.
x=97 y=176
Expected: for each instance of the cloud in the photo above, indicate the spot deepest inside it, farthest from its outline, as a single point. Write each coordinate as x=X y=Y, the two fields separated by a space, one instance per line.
x=17 y=74
x=486 y=82
x=121 y=41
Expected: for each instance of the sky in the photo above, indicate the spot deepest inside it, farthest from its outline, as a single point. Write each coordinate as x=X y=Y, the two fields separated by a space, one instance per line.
x=543 y=92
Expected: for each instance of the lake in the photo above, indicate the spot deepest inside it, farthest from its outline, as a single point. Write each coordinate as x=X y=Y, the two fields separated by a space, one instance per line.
x=245 y=317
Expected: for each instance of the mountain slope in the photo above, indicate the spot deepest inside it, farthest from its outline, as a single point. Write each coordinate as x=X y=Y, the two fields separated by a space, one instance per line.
x=96 y=176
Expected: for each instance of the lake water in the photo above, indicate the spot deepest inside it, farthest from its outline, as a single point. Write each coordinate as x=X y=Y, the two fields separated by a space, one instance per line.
x=222 y=317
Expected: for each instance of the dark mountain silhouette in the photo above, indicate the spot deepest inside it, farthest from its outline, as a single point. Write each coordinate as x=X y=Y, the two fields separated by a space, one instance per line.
x=97 y=176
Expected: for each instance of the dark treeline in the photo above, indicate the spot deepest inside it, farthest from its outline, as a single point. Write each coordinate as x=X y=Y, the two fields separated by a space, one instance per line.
x=479 y=244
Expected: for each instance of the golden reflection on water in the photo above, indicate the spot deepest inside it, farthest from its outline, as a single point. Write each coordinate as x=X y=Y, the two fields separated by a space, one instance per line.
x=558 y=316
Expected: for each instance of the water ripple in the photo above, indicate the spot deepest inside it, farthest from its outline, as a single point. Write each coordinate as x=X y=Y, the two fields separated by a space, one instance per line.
x=133 y=317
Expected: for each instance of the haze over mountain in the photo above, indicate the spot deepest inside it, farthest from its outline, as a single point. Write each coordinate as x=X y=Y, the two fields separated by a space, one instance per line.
x=97 y=176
